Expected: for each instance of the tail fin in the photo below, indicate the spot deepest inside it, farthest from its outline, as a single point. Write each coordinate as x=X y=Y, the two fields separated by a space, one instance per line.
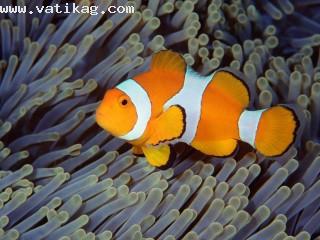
x=276 y=131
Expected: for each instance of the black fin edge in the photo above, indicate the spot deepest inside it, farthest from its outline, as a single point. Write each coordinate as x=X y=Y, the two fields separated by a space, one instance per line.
x=239 y=75
x=138 y=155
x=183 y=130
x=293 y=109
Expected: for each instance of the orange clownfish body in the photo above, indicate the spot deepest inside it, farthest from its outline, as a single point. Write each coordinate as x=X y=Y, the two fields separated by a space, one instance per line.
x=172 y=103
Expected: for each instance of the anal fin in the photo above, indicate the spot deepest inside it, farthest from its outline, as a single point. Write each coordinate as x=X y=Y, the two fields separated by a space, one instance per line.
x=221 y=148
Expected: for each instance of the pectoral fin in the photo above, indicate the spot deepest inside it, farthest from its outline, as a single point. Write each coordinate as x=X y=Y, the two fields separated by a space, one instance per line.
x=159 y=156
x=168 y=126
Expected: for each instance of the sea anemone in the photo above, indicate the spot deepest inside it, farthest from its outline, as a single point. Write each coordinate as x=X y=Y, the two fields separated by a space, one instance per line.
x=62 y=177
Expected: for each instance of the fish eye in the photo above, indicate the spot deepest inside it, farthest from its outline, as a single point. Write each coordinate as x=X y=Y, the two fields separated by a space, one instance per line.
x=124 y=102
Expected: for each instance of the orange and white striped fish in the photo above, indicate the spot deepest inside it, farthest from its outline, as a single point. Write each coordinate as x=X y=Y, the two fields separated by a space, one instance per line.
x=172 y=103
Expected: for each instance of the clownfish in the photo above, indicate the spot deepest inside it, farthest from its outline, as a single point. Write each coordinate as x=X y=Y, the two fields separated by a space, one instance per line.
x=172 y=103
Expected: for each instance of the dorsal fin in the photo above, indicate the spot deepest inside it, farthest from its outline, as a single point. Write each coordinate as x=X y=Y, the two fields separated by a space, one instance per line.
x=233 y=86
x=167 y=60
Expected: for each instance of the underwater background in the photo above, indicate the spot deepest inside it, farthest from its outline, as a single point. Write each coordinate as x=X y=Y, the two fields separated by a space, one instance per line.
x=62 y=177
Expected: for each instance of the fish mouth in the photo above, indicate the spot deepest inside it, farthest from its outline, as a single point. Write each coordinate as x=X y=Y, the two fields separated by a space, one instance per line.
x=99 y=114
x=100 y=118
